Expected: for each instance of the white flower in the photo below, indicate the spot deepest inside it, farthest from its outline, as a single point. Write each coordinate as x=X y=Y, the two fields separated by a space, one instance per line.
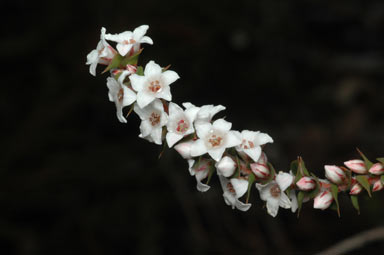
x=154 y=84
x=206 y=112
x=335 y=174
x=226 y=166
x=121 y=95
x=103 y=54
x=180 y=123
x=153 y=118
x=274 y=194
x=184 y=149
x=214 y=139
x=200 y=171
x=130 y=41
x=233 y=190
x=251 y=143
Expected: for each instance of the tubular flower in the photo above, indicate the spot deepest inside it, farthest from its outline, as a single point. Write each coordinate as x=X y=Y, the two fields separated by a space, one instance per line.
x=214 y=139
x=356 y=165
x=153 y=118
x=180 y=123
x=121 y=95
x=251 y=143
x=233 y=190
x=200 y=171
x=154 y=84
x=273 y=193
x=103 y=54
x=335 y=174
x=130 y=41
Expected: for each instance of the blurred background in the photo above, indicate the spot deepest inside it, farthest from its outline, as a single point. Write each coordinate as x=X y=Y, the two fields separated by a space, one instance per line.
x=73 y=180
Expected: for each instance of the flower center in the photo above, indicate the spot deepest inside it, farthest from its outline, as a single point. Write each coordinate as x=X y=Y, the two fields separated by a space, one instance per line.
x=275 y=191
x=130 y=41
x=230 y=188
x=182 y=126
x=120 y=95
x=154 y=86
x=246 y=144
x=214 y=139
x=154 y=119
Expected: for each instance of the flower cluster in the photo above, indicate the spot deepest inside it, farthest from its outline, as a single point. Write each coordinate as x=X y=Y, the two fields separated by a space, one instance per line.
x=210 y=145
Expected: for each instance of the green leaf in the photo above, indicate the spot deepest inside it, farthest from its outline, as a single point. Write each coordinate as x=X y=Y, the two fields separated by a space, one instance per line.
x=300 y=197
x=131 y=60
x=355 y=203
x=115 y=63
x=211 y=171
x=313 y=193
x=382 y=179
x=335 y=193
x=363 y=180
x=303 y=170
x=294 y=166
x=381 y=160
x=140 y=71
x=367 y=162
x=251 y=180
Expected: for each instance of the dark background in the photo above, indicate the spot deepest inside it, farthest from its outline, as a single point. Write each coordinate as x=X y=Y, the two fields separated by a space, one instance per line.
x=73 y=180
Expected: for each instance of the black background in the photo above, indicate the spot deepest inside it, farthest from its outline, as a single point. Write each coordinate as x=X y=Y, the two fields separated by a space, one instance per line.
x=73 y=180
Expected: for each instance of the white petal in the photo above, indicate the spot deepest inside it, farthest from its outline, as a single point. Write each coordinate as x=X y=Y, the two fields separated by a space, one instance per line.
x=138 y=82
x=202 y=187
x=284 y=180
x=198 y=148
x=229 y=199
x=145 y=128
x=123 y=75
x=129 y=96
x=284 y=201
x=156 y=135
x=173 y=138
x=216 y=153
x=242 y=206
x=119 y=38
x=119 y=113
x=254 y=153
x=191 y=162
x=265 y=190
x=232 y=139
x=144 y=98
x=146 y=39
x=222 y=125
x=202 y=129
x=165 y=93
x=294 y=203
x=139 y=32
x=170 y=77
x=174 y=110
x=152 y=69
x=191 y=113
x=142 y=112
x=263 y=138
x=123 y=49
x=223 y=182
x=240 y=186
x=273 y=206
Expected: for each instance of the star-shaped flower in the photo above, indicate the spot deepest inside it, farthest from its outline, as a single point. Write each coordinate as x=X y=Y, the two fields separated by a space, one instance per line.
x=214 y=139
x=154 y=84
x=153 y=118
x=251 y=142
x=180 y=123
x=130 y=41
x=103 y=54
x=274 y=194
x=121 y=95
x=234 y=189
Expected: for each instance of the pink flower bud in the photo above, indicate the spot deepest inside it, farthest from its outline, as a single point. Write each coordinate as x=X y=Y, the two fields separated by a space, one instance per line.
x=263 y=159
x=377 y=185
x=184 y=149
x=356 y=165
x=356 y=189
x=335 y=174
x=377 y=169
x=260 y=170
x=306 y=183
x=226 y=166
x=323 y=200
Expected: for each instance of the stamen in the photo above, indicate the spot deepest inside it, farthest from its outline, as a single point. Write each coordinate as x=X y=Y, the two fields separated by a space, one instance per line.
x=154 y=119
x=120 y=95
x=275 y=191
x=154 y=86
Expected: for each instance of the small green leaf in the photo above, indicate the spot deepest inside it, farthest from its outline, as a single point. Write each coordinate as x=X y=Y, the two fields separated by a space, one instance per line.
x=382 y=179
x=294 y=166
x=115 y=63
x=251 y=180
x=300 y=197
x=335 y=193
x=140 y=71
x=302 y=167
x=355 y=203
x=381 y=160
x=363 y=180
x=131 y=60
x=313 y=193
x=367 y=162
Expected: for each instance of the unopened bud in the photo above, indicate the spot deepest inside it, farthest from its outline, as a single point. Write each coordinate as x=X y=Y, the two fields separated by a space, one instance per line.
x=184 y=149
x=377 y=185
x=306 y=183
x=355 y=189
x=226 y=166
x=356 y=165
x=260 y=170
x=335 y=174
x=377 y=169
x=323 y=200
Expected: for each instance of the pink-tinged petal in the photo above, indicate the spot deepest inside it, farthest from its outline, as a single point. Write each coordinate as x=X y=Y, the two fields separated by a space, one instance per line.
x=202 y=187
x=169 y=77
x=144 y=98
x=284 y=180
x=262 y=138
x=240 y=186
x=156 y=135
x=356 y=189
x=152 y=69
x=356 y=165
x=139 y=32
x=260 y=170
x=306 y=183
x=198 y=148
x=165 y=93
x=222 y=125
x=226 y=166
x=146 y=39
x=273 y=206
x=216 y=153
x=145 y=128
x=335 y=174
x=123 y=49
x=284 y=201
x=323 y=200
x=129 y=96
x=138 y=82
x=294 y=203
x=119 y=113
x=377 y=169
x=254 y=153
x=232 y=139
x=173 y=138
x=184 y=149
x=242 y=206
x=202 y=129
x=377 y=185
